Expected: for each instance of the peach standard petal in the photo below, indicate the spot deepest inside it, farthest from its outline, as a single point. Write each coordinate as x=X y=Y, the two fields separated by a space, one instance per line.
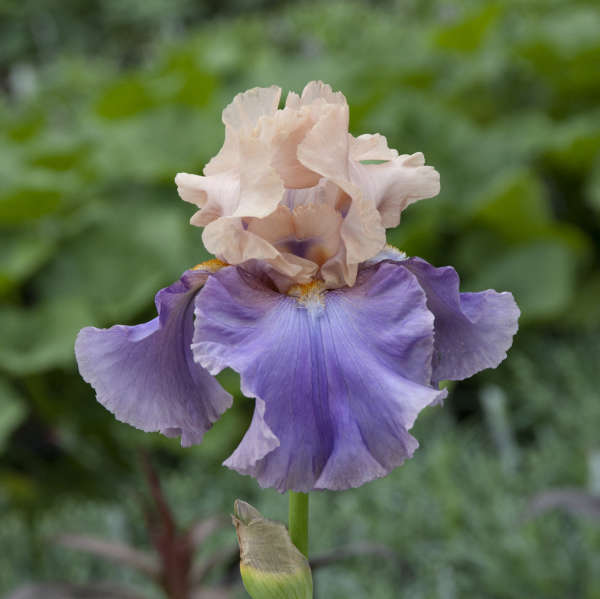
x=310 y=230
x=292 y=192
x=240 y=118
x=371 y=147
x=396 y=184
x=286 y=130
x=361 y=231
x=215 y=196
x=229 y=239
x=315 y=92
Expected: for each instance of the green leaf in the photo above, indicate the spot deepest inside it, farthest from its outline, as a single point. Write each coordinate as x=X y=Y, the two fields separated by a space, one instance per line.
x=117 y=266
x=516 y=207
x=12 y=411
x=592 y=189
x=58 y=159
x=468 y=34
x=27 y=204
x=41 y=338
x=575 y=145
x=21 y=254
x=26 y=127
x=184 y=78
x=584 y=310
x=126 y=97
x=541 y=276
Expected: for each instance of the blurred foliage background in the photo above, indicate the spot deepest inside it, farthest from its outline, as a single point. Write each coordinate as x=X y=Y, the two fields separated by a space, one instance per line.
x=103 y=102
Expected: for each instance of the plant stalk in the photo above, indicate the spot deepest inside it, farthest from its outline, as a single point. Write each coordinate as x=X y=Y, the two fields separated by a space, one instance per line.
x=298 y=521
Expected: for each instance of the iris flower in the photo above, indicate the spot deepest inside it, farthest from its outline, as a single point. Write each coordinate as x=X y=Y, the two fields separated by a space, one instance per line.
x=340 y=339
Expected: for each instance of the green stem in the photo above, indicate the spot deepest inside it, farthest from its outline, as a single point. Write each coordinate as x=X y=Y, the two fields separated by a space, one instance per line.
x=298 y=521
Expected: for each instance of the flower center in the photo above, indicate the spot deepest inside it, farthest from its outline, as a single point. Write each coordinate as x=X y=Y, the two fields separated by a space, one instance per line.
x=309 y=294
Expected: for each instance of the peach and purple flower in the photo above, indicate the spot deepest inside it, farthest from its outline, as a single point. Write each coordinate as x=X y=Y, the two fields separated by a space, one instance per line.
x=340 y=339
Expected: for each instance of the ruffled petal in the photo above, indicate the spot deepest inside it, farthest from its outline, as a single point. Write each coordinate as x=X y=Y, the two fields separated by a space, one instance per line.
x=228 y=156
x=246 y=159
x=259 y=441
x=216 y=196
x=283 y=133
x=371 y=147
x=338 y=271
x=248 y=107
x=473 y=331
x=310 y=231
x=339 y=378
x=261 y=187
x=394 y=185
x=315 y=92
x=254 y=191
x=231 y=240
x=362 y=231
x=330 y=132
x=145 y=374
x=275 y=159
x=240 y=118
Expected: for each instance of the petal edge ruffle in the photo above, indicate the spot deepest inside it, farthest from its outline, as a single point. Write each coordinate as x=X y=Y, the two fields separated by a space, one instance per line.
x=338 y=399
x=473 y=331
x=145 y=374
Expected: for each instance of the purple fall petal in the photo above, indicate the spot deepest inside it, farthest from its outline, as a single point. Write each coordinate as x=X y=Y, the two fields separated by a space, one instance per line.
x=145 y=374
x=338 y=383
x=473 y=331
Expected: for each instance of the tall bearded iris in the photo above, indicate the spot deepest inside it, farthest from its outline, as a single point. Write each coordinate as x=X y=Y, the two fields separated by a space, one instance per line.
x=341 y=340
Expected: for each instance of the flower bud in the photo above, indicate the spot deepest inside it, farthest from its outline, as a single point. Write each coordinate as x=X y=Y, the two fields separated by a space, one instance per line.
x=270 y=564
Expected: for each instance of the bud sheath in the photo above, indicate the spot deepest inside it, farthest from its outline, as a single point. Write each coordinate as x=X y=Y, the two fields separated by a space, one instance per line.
x=271 y=565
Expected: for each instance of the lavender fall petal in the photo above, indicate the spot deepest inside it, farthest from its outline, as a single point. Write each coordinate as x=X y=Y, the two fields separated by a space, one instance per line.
x=145 y=374
x=473 y=331
x=339 y=378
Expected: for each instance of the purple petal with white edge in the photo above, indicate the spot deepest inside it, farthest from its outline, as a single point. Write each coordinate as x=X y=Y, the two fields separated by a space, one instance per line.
x=473 y=331
x=339 y=378
x=145 y=374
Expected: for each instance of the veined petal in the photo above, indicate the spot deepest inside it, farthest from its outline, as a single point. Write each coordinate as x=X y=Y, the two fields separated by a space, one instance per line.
x=339 y=378
x=258 y=441
x=145 y=374
x=473 y=331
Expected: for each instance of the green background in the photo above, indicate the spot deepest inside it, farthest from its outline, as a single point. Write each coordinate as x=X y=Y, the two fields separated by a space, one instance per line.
x=104 y=102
